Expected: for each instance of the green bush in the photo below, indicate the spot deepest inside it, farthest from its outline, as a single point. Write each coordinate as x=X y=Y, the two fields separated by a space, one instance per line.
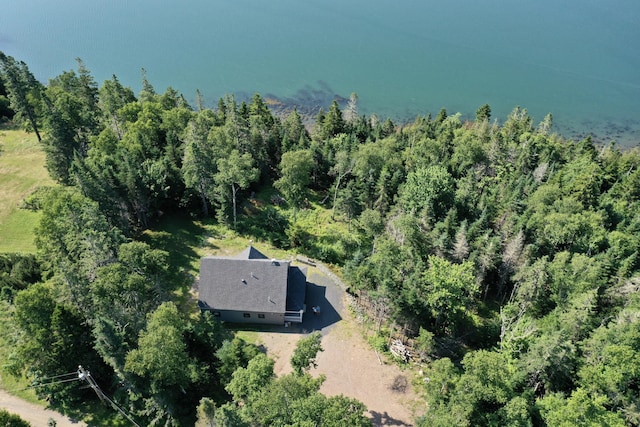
x=11 y=420
x=18 y=271
x=299 y=237
x=7 y=293
x=379 y=343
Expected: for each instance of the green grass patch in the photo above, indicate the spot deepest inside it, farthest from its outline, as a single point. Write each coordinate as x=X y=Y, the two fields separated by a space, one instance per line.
x=333 y=238
x=251 y=337
x=22 y=169
x=187 y=240
x=315 y=232
x=17 y=231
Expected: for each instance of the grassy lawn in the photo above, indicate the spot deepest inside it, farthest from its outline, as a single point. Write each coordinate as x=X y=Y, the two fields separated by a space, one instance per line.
x=187 y=239
x=21 y=171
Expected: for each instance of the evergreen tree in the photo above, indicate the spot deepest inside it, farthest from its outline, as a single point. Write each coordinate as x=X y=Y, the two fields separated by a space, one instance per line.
x=24 y=91
x=199 y=165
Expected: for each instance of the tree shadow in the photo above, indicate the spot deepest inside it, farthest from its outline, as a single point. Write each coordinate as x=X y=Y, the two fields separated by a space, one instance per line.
x=328 y=315
x=179 y=235
x=384 y=419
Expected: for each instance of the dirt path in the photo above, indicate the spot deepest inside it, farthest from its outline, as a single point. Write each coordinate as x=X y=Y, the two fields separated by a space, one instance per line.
x=352 y=368
x=36 y=415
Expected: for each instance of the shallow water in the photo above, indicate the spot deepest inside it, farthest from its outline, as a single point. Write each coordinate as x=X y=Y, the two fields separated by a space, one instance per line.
x=578 y=59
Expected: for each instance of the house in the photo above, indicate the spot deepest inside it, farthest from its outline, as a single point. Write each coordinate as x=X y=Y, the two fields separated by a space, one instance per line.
x=252 y=288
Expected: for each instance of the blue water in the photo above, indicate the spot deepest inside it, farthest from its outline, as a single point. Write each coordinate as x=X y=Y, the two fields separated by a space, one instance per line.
x=578 y=59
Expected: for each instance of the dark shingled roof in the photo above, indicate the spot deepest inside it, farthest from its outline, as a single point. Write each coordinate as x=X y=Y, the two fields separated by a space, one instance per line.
x=251 y=253
x=296 y=288
x=257 y=285
x=251 y=282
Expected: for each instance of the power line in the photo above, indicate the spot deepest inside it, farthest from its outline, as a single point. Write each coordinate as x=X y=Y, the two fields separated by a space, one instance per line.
x=58 y=376
x=58 y=382
x=80 y=375
x=43 y=385
x=120 y=410
x=86 y=376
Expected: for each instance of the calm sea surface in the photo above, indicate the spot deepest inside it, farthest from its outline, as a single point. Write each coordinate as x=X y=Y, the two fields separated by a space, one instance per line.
x=578 y=59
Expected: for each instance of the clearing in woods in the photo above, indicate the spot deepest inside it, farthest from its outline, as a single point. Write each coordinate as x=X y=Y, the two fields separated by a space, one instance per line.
x=351 y=366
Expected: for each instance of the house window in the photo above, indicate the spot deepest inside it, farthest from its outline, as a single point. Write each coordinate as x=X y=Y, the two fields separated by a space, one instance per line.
x=260 y=316
x=216 y=314
x=246 y=314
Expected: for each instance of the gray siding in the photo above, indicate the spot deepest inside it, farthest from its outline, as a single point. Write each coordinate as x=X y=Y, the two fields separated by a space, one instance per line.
x=239 y=317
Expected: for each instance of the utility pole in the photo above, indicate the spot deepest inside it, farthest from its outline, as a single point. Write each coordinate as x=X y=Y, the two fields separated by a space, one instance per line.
x=85 y=375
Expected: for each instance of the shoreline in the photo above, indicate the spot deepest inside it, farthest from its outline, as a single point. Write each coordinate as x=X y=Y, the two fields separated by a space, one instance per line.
x=624 y=133
x=308 y=100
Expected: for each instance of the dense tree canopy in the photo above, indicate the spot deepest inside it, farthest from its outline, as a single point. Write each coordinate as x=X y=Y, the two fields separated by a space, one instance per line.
x=509 y=254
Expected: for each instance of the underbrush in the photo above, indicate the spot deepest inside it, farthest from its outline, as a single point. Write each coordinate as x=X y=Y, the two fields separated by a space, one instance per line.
x=314 y=232
x=15 y=385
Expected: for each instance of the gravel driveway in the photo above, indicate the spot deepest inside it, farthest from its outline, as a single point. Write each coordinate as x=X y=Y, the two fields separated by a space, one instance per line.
x=352 y=368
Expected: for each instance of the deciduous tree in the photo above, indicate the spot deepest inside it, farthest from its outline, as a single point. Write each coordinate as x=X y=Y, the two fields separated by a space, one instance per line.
x=305 y=353
x=246 y=382
x=161 y=356
x=11 y=420
x=444 y=291
x=235 y=172
x=428 y=189
x=295 y=169
x=578 y=409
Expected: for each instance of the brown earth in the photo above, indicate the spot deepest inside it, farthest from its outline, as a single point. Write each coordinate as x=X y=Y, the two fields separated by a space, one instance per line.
x=351 y=366
x=36 y=415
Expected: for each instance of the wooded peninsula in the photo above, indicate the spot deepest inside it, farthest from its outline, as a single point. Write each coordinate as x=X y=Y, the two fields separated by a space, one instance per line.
x=503 y=256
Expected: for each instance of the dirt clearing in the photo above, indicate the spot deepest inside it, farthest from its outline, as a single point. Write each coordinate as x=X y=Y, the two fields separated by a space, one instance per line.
x=351 y=366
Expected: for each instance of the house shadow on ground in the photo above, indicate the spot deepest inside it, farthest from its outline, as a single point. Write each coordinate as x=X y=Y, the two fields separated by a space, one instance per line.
x=328 y=315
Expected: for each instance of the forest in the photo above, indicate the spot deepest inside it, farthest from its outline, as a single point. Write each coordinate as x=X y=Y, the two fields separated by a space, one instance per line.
x=508 y=254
